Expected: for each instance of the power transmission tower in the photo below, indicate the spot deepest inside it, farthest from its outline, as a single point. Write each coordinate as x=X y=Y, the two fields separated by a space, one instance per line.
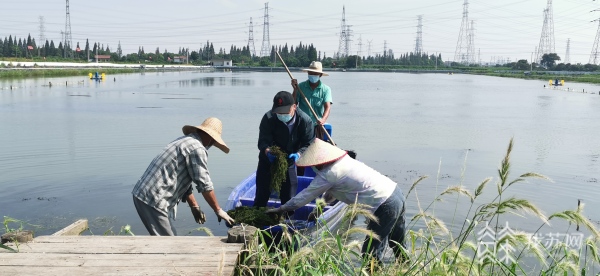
x=344 y=47
x=68 y=36
x=460 y=55
x=568 y=54
x=42 y=36
x=594 y=55
x=251 y=40
x=384 y=48
x=546 y=45
x=359 y=53
x=369 y=48
x=471 y=44
x=419 y=40
x=265 y=50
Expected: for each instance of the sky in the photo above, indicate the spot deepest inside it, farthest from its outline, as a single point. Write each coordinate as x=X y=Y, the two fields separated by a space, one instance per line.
x=507 y=29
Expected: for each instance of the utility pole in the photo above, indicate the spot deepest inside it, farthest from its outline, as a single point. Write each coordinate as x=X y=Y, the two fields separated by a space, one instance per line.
x=265 y=50
x=369 y=48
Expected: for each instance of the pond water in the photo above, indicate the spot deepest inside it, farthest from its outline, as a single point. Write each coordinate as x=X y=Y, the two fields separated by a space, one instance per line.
x=76 y=149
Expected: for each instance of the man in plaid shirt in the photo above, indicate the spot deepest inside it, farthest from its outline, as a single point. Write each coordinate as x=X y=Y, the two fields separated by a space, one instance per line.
x=169 y=178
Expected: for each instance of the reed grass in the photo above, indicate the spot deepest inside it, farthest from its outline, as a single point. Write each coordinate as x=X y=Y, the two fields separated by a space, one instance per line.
x=432 y=249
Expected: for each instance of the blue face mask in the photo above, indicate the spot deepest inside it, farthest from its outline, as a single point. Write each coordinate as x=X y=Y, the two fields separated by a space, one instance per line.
x=284 y=118
x=313 y=78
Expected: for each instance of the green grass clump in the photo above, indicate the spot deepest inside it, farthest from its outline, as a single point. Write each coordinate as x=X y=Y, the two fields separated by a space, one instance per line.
x=255 y=216
x=278 y=169
x=432 y=249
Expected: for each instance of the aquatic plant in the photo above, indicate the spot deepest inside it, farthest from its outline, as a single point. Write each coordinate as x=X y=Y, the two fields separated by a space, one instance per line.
x=255 y=216
x=278 y=168
x=432 y=249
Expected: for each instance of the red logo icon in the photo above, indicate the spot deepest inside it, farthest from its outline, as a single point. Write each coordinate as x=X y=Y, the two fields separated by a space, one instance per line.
x=280 y=101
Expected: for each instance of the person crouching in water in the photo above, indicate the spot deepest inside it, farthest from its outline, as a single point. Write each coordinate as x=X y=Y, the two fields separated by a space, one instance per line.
x=351 y=181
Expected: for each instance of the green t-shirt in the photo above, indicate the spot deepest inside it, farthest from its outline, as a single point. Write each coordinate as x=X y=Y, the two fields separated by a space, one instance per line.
x=317 y=99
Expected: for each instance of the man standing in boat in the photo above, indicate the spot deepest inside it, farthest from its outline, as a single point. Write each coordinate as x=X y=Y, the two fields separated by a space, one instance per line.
x=292 y=131
x=169 y=178
x=341 y=177
x=317 y=93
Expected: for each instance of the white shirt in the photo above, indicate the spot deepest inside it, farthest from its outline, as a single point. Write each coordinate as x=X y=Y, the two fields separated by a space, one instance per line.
x=349 y=181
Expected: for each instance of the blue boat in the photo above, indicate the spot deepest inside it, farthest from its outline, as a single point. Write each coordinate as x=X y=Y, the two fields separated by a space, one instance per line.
x=243 y=195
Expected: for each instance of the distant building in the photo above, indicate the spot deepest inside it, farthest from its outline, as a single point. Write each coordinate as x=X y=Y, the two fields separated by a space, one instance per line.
x=222 y=62
x=180 y=59
x=102 y=58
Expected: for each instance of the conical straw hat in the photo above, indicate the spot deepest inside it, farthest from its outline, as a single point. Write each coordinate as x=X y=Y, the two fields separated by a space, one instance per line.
x=319 y=153
x=213 y=127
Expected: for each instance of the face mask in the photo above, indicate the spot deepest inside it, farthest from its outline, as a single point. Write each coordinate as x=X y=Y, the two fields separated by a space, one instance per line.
x=284 y=118
x=314 y=169
x=313 y=78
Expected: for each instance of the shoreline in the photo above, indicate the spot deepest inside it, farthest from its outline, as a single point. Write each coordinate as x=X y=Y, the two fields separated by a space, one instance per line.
x=29 y=69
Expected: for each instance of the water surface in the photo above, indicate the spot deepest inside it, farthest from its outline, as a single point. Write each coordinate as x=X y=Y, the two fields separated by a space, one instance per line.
x=75 y=149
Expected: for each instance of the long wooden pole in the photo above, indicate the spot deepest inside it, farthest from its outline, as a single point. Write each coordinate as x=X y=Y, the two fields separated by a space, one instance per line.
x=305 y=99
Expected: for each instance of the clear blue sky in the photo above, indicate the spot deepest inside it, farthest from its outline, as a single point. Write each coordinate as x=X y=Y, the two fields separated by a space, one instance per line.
x=508 y=29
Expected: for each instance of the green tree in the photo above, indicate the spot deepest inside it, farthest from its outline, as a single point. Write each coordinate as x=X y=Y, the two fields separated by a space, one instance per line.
x=549 y=60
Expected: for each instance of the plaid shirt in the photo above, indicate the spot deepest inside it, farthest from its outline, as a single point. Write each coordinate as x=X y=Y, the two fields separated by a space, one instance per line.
x=170 y=175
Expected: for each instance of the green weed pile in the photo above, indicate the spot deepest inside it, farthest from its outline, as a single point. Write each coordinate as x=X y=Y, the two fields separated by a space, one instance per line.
x=255 y=216
x=278 y=168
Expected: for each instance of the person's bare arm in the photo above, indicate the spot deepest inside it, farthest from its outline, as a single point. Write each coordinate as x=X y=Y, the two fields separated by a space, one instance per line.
x=327 y=108
x=211 y=199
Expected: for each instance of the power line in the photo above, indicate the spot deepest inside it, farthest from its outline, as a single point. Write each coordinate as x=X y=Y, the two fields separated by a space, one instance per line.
x=419 y=40
x=251 y=39
x=266 y=43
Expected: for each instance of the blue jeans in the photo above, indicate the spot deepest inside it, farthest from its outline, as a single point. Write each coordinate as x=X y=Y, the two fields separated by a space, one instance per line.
x=390 y=229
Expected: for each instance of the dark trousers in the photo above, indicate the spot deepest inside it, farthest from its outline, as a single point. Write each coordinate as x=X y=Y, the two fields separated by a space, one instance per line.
x=263 y=184
x=390 y=229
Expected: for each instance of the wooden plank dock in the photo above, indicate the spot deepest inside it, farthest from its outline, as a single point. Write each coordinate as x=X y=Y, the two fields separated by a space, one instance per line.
x=121 y=255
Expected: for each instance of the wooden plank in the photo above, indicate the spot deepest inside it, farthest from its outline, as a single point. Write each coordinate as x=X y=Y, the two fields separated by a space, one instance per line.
x=78 y=239
x=123 y=249
x=51 y=271
x=74 y=229
x=43 y=259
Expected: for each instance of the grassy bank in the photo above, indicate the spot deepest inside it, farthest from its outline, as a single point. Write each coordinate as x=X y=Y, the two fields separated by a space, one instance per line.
x=432 y=249
x=37 y=73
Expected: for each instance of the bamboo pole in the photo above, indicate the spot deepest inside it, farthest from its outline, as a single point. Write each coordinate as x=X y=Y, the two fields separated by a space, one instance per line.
x=305 y=99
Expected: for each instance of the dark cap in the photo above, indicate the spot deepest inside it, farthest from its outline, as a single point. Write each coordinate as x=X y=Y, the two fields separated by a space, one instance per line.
x=283 y=101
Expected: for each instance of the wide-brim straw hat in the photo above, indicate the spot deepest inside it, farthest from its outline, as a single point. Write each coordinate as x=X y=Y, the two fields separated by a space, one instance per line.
x=213 y=127
x=320 y=152
x=316 y=67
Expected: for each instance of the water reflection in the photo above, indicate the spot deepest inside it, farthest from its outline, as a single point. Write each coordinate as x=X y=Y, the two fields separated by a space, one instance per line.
x=216 y=81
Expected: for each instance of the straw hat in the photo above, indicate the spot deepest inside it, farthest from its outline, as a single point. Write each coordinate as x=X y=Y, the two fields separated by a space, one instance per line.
x=319 y=153
x=316 y=67
x=213 y=127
